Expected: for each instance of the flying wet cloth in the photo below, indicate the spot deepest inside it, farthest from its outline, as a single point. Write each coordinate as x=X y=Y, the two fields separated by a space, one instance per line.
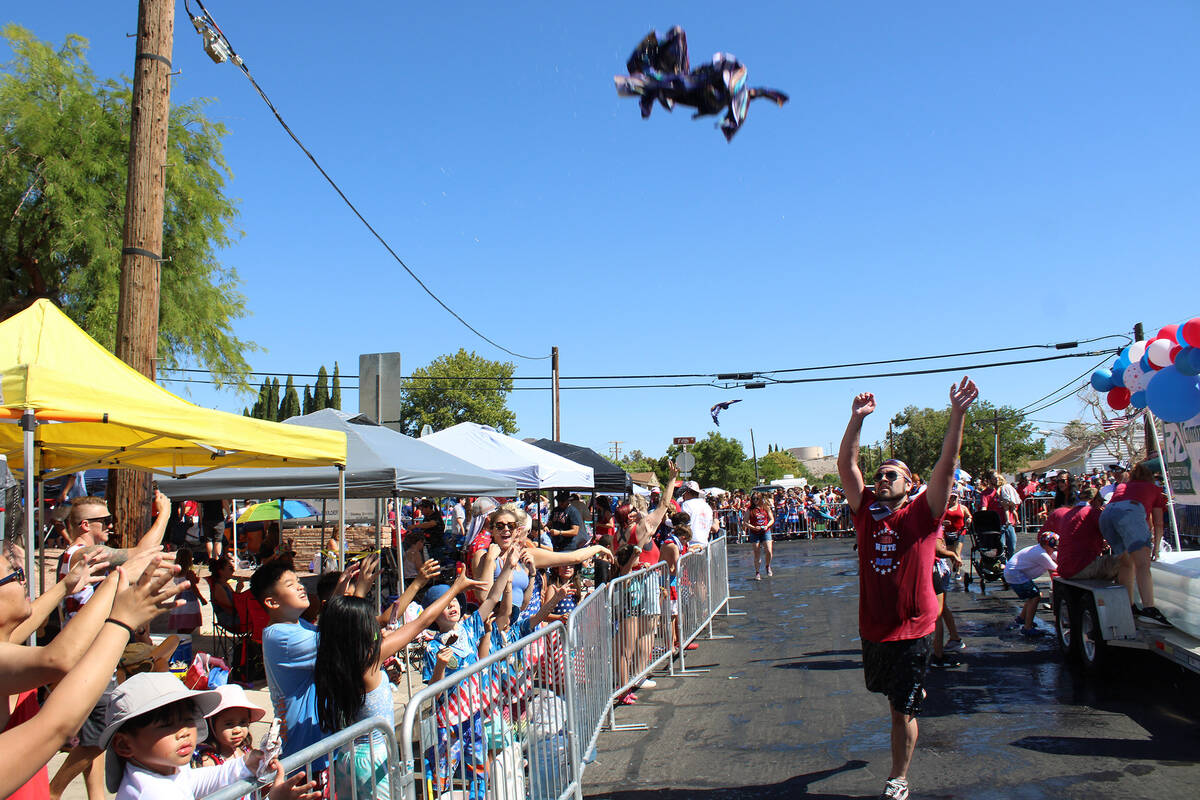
x=719 y=407
x=659 y=70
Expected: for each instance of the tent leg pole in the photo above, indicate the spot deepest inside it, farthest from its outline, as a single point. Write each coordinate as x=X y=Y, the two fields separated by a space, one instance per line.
x=408 y=667
x=380 y=505
x=29 y=425
x=41 y=528
x=321 y=559
x=341 y=517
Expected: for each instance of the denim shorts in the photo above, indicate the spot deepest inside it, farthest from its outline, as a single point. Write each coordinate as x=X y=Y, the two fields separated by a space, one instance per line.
x=1123 y=525
x=1026 y=590
x=757 y=537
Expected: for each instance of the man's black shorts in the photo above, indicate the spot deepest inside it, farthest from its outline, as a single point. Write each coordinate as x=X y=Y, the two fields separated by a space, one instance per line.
x=939 y=582
x=897 y=669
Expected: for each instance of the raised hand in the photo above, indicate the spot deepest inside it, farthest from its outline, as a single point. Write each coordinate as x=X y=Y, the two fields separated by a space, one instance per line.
x=87 y=571
x=863 y=405
x=139 y=602
x=672 y=470
x=429 y=570
x=465 y=581
x=963 y=394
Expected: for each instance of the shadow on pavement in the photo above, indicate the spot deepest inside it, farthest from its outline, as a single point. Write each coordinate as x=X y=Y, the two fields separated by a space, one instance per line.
x=794 y=787
x=1173 y=749
x=817 y=666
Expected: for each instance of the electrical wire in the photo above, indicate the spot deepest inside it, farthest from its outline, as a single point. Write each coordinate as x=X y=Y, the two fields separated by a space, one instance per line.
x=665 y=376
x=240 y=64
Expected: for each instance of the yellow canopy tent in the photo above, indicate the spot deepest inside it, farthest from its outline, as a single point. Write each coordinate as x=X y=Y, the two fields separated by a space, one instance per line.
x=68 y=404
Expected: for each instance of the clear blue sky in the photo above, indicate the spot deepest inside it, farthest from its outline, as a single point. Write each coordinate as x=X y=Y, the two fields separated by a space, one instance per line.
x=947 y=177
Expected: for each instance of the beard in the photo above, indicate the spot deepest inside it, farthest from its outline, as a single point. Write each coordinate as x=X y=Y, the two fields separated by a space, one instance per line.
x=894 y=492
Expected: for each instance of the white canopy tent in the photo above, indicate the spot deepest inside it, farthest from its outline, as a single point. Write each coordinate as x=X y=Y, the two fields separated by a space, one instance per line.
x=528 y=466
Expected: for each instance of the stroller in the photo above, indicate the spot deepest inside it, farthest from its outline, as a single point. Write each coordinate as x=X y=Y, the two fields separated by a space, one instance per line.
x=987 y=550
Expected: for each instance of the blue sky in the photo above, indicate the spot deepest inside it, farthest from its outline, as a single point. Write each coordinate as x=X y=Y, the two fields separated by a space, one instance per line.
x=947 y=177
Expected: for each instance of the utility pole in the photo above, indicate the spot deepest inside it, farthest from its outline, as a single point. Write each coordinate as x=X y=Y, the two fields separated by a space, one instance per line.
x=616 y=449
x=555 y=411
x=754 y=455
x=1139 y=334
x=141 y=244
x=891 y=453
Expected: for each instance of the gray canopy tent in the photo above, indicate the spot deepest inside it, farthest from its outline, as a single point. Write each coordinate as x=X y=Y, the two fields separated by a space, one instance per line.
x=609 y=477
x=380 y=463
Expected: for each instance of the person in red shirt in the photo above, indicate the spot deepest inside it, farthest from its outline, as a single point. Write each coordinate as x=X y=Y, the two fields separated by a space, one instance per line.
x=955 y=521
x=897 y=534
x=1125 y=524
x=1081 y=546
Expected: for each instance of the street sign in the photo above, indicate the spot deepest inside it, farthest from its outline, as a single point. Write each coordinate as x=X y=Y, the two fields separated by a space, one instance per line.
x=685 y=462
x=685 y=440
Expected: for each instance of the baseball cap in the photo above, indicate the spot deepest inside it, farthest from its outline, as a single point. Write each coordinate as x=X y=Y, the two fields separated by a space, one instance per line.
x=692 y=486
x=435 y=593
x=141 y=694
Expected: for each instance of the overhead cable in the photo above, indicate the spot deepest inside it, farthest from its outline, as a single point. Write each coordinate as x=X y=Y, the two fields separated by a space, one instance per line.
x=240 y=64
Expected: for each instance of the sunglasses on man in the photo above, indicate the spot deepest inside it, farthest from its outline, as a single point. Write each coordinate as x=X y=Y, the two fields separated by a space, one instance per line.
x=105 y=520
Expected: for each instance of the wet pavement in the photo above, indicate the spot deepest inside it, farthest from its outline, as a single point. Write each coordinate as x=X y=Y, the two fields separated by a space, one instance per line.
x=783 y=713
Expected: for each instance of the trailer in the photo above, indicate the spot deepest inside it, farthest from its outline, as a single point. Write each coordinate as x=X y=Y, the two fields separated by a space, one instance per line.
x=1093 y=617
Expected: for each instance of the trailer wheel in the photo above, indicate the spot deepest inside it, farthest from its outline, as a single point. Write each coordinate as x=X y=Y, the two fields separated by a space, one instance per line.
x=1066 y=622
x=1092 y=647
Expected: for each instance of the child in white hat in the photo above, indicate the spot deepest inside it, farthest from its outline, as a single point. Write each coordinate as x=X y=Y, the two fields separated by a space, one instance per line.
x=229 y=727
x=152 y=725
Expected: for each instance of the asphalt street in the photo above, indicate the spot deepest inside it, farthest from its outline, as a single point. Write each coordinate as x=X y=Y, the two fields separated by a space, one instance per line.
x=782 y=712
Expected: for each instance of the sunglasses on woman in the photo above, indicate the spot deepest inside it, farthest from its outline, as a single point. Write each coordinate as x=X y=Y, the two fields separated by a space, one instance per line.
x=18 y=574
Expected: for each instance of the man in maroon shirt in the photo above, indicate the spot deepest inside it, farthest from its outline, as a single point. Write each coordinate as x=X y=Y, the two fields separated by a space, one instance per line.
x=1081 y=546
x=897 y=608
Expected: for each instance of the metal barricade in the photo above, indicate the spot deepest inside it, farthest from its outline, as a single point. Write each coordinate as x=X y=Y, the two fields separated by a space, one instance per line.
x=590 y=639
x=695 y=598
x=502 y=728
x=718 y=575
x=1033 y=512
x=362 y=760
x=639 y=606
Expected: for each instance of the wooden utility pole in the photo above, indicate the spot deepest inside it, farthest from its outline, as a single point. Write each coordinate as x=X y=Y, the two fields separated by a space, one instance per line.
x=141 y=245
x=555 y=410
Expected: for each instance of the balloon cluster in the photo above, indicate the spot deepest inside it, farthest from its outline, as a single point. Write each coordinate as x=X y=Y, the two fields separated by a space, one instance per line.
x=1159 y=374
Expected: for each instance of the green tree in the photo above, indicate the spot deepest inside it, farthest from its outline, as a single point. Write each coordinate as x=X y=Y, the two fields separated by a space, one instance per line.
x=259 y=411
x=438 y=395
x=64 y=144
x=335 y=397
x=720 y=462
x=289 y=406
x=321 y=392
x=777 y=463
x=637 y=461
x=308 y=399
x=918 y=434
x=272 y=405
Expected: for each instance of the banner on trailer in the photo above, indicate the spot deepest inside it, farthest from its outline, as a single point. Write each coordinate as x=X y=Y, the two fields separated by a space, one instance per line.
x=1181 y=450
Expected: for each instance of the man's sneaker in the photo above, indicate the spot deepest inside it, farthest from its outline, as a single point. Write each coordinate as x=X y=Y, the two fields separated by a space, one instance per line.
x=955 y=644
x=1032 y=633
x=758 y=576
x=770 y=572
x=1018 y=622
x=895 y=789
x=1152 y=614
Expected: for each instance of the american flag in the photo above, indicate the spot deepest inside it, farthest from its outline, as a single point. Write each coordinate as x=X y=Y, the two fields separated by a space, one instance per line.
x=1116 y=424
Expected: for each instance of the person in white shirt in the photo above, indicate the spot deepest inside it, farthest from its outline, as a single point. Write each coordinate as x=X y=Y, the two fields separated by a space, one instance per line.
x=1023 y=567
x=699 y=511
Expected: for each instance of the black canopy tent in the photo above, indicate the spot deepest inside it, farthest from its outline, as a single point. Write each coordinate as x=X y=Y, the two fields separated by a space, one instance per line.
x=610 y=478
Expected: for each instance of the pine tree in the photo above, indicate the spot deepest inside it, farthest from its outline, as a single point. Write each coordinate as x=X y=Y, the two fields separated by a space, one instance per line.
x=335 y=397
x=308 y=399
x=321 y=393
x=290 y=405
x=259 y=411
x=272 y=404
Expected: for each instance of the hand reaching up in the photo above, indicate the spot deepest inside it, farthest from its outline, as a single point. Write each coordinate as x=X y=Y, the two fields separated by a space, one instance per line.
x=963 y=394
x=429 y=570
x=863 y=405
x=87 y=571
x=154 y=591
x=298 y=787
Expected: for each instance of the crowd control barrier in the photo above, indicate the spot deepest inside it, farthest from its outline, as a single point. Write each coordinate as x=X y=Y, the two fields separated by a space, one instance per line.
x=640 y=607
x=1033 y=513
x=364 y=765
x=523 y=722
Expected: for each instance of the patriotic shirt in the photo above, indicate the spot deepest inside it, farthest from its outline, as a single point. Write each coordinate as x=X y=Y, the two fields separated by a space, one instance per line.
x=895 y=559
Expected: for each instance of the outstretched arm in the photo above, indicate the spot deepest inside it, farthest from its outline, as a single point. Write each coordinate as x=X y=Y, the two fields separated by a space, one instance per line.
x=937 y=491
x=848 y=470
x=400 y=638
x=649 y=524
x=151 y=539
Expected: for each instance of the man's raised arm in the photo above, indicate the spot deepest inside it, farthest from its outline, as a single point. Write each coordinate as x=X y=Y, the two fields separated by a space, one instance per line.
x=937 y=491
x=848 y=471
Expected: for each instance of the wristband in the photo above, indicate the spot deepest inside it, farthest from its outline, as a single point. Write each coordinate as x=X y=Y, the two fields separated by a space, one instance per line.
x=120 y=624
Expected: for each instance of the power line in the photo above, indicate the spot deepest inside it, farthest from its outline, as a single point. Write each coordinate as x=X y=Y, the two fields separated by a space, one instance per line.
x=208 y=21
x=717 y=375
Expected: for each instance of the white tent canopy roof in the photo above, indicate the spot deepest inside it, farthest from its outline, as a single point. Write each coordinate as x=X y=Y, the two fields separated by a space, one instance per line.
x=528 y=466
